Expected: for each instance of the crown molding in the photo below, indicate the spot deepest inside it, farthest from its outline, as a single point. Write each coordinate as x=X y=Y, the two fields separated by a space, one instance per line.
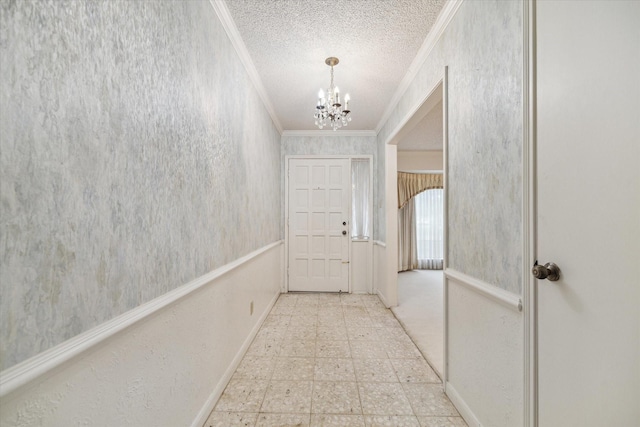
x=221 y=9
x=329 y=133
x=445 y=17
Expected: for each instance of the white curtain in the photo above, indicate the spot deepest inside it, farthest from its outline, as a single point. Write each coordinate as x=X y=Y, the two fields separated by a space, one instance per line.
x=360 y=215
x=430 y=229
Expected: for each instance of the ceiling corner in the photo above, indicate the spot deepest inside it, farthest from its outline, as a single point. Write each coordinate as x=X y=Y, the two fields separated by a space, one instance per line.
x=444 y=18
x=222 y=11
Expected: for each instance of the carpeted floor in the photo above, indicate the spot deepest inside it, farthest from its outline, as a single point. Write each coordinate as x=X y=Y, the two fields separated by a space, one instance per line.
x=420 y=311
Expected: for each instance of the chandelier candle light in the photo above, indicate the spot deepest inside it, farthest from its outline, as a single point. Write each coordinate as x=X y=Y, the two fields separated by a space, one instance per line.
x=329 y=110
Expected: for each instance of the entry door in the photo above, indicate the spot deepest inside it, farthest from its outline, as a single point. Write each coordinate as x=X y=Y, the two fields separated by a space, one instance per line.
x=319 y=206
x=588 y=163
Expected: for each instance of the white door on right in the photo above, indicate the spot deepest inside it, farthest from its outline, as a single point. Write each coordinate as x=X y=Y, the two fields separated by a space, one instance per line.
x=588 y=192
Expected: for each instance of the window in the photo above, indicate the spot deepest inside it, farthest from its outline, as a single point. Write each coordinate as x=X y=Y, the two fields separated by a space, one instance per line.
x=430 y=229
x=360 y=194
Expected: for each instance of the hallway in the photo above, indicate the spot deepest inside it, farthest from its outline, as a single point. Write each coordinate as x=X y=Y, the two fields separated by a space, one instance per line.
x=420 y=311
x=333 y=360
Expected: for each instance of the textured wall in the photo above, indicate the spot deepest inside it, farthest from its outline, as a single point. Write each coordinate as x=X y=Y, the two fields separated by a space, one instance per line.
x=135 y=156
x=332 y=146
x=483 y=48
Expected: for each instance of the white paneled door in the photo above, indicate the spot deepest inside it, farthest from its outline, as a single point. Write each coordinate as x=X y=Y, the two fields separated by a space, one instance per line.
x=318 y=214
x=588 y=222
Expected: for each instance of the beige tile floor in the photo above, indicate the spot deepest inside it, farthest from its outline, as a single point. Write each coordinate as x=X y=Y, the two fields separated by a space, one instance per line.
x=333 y=360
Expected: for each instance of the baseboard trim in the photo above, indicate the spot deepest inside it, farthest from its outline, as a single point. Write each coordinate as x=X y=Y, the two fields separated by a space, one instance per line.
x=31 y=369
x=485 y=289
x=202 y=416
x=462 y=406
x=384 y=300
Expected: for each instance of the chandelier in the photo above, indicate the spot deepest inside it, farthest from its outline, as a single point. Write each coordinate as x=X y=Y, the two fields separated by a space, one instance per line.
x=329 y=111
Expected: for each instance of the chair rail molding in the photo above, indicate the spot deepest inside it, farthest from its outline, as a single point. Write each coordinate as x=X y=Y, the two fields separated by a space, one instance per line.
x=485 y=289
x=22 y=374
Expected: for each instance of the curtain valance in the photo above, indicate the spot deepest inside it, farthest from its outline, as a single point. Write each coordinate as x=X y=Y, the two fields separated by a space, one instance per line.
x=410 y=184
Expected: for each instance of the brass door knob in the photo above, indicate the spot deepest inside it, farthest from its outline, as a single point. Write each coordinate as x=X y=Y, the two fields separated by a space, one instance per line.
x=548 y=271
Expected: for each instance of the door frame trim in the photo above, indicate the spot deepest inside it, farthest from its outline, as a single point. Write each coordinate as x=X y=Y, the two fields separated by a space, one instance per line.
x=445 y=224
x=529 y=215
x=285 y=264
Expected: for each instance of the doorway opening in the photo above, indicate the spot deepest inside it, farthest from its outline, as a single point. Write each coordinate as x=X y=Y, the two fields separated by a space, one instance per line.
x=420 y=160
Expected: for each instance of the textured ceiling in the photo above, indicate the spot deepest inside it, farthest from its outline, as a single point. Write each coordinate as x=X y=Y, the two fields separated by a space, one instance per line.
x=375 y=40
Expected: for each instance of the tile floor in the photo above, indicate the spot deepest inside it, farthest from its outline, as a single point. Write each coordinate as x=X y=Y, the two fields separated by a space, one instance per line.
x=333 y=360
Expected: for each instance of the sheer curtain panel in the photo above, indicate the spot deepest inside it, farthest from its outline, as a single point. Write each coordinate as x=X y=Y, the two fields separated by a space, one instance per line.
x=360 y=215
x=430 y=229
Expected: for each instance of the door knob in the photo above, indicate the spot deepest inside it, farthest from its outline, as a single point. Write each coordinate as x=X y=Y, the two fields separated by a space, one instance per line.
x=548 y=271
x=344 y=232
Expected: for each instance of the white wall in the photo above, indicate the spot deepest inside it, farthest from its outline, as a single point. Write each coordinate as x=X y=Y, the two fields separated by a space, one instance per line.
x=420 y=161
x=485 y=347
x=379 y=268
x=167 y=368
x=361 y=265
